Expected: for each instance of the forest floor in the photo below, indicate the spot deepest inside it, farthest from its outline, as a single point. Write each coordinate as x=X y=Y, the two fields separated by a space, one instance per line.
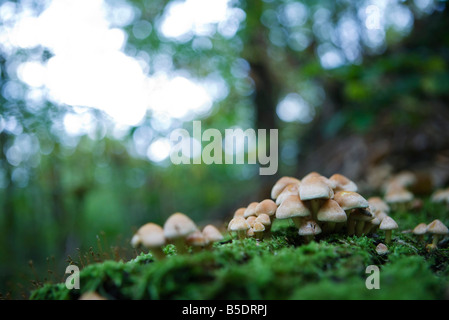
x=281 y=267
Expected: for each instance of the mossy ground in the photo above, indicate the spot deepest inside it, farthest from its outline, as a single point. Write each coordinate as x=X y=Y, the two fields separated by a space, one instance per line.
x=332 y=267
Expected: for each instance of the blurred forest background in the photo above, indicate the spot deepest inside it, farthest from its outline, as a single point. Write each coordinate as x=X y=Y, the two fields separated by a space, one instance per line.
x=92 y=89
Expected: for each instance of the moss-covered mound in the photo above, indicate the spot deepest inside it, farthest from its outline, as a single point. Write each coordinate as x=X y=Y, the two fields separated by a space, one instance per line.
x=282 y=267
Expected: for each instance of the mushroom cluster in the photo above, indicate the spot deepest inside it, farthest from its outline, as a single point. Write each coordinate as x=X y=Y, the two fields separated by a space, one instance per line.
x=397 y=192
x=179 y=230
x=436 y=228
x=315 y=204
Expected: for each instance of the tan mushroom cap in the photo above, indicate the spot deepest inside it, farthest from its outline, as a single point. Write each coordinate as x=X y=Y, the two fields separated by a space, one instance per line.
x=258 y=227
x=381 y=249
x=397 y=194
x=92 y=295
x=264 y=219
x=239 y=212
x=315 y=187
x=437 y=227
x=309 y=228
x=250 y=210
x=266 y=206
x=251 y=220
x=292 y=207
x=290 y=190
x=343 y=183
x=378 y=204
x=380 y=215
x=212 y=234
x=150 y=235
x=420 y=229
x=197 y=239
x=238 y=224
x=350 y=200
x=388 y=224
x=441 y=195
x=404 y=178
x=281 y=184
x=178 y=225
x=330 y=211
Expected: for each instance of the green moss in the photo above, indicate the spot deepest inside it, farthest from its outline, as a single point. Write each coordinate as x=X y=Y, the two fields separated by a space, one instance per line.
x=282 y=267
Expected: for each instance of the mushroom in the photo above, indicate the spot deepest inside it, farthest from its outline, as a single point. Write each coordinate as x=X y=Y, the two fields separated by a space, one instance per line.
x=441 y=195
x=250 y=210
x=176 y=229
x=281 y=184
x=398 y=197
x=309 y=229
x=343 y=183
x=268 y=207
x=212 y=234
x=316 y=190
x=293 y=208
x=371 y=225
x=150 y=236
x=290 y=190
x=388 y=225
x=360 y=217
x=420 y=230
x=378 y=204
x=91 y=295
x=330 y=214
x=239 y=212
x=437 y=229
x=349 y=201
x=258 y=230
x=240 y=226
x=381 y=249
x=197 y=240
x=266 y=221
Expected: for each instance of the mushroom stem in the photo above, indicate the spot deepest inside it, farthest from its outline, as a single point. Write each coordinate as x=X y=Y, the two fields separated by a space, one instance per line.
x=435 y=239
x=158 y=253
x=368 y=227
x=241 y=234
x=388 y=236
x=180 y=245
x=359 y=228
x=308 y=238
x=351 y=226
x=315 y=206
x=329 y=227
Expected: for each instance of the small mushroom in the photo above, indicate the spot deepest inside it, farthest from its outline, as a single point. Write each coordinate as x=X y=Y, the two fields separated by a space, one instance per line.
x=437 y=229
x=372 y=225
x=266 y=221
x=92 y=295
x=388 y=225
x=150 y=236
x=361 y=217
x=251 y=220
x=398 y=197
x=315 y=190
x=381 y=249
x=281 y=184
x=290 y=190
x=293 y=208
x=441 y=195
x=349 y=201
x=212 y=234
x=240 y=226
x=268 y=207
x=197 y=240
x=309 y=229
x=176 y=229
x=378 y=204
x=420 y=230
x=330 y=214
x=250 y=210
x=258 y=230
x=239 y=212
x=343 y=183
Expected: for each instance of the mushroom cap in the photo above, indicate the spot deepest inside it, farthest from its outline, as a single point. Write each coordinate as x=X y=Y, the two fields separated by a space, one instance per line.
x=404 y=178
x=251 y=220
x=292 y=207
x=238 y=224
x=420 y=229
x=330 y=211
x=258 y=227
x=362 y=214
x=92 y=295
x=437 y=227
x=266 y=206
x=380 y=215
x=396 y=193
x=212 y=234
x=281 y=184
x=251 y=209
x=441 y=195
x=239 y=212
x=376 y=221
x=381 y=249
x=309 y=228
x=315 y=187
x=250 y=232
x=197 y=239
x=388 y=224
x=150 y=235
x=350 y=200
x=343 y=183
x=178 y=225
x=290 y=190
x=264 y=219
x=378 y=204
